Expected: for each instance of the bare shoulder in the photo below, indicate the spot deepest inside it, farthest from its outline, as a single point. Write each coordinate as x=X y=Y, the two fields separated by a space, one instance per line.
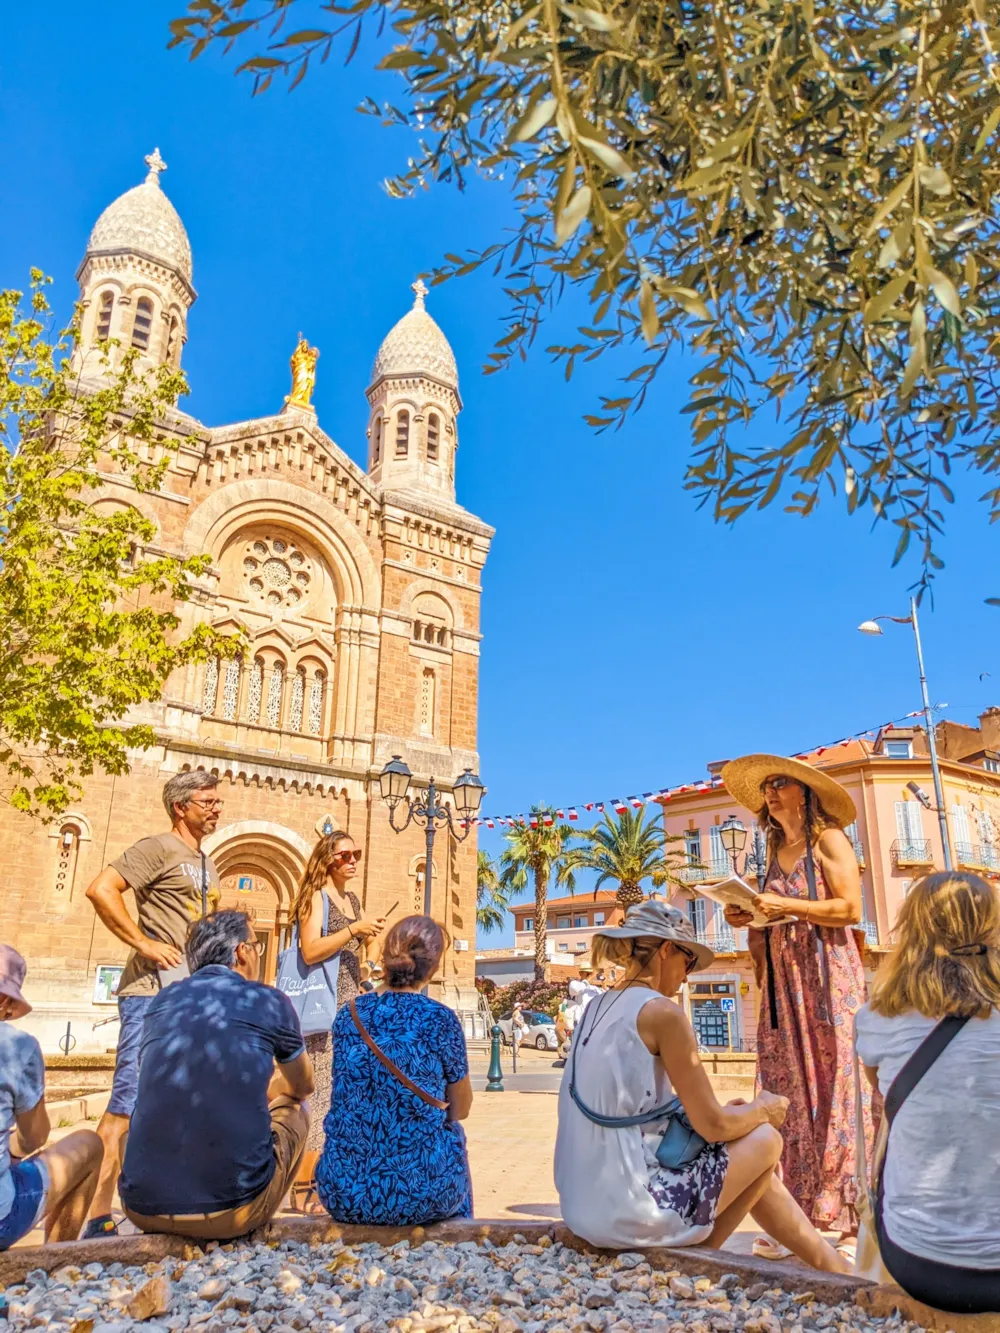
x=660 y=1017
x=833 y=842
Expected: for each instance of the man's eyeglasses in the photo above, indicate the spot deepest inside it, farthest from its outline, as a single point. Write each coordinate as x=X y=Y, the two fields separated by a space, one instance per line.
x=778 y=783
x=342 y=857
x=258 y=946
x=208 y=805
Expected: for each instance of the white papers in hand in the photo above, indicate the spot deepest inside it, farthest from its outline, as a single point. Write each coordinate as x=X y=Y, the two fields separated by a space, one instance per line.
x=736 y=892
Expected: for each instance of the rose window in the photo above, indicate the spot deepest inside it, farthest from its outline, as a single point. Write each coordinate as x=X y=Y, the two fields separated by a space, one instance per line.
x=277 y=572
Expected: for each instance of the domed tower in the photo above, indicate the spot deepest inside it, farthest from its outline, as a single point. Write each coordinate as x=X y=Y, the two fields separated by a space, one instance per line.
x=135 y=278
x=414 y=400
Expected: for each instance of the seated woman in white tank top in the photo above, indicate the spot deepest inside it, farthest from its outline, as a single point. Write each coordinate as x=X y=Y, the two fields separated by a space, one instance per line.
x=633 y=1051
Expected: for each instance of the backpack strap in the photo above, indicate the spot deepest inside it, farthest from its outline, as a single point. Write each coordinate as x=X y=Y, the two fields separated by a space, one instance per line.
x=394 y=1070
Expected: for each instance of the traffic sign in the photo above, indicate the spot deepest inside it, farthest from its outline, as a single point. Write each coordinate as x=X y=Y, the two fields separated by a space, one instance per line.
x=728 y=1005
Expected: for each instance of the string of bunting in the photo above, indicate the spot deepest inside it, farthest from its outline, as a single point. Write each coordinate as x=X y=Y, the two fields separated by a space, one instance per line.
x=619 y=806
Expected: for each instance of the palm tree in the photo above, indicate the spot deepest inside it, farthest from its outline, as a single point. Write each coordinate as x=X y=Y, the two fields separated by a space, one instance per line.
x=491 y=897
x=627 y=849
x=543 y=853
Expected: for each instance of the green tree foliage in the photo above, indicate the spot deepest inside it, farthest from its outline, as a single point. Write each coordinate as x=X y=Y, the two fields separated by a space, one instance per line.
x=801 y=192
x=491 y=898
x=86 y=631
x=540 y=856
x=625 y=849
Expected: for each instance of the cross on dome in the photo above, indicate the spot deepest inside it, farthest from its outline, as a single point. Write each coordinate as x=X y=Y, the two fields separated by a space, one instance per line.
x=421 y=289
x=156 y=164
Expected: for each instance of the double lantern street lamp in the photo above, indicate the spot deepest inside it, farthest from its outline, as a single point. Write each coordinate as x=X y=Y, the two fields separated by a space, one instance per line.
x=733 y=836
x=428 y=810
x=873 y=627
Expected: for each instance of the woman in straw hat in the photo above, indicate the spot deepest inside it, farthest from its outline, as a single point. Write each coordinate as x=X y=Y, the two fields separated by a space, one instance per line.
x=809 y=967
x=634 y=1057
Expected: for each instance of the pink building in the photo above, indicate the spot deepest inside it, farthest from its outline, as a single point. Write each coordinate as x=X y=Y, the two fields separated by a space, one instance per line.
x=896 y=838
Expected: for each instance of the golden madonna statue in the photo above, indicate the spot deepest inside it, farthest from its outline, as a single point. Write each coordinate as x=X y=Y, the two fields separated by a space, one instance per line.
x=303 y=365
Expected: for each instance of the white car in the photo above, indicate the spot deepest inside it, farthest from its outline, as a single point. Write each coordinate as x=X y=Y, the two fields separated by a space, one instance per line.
x=541 y=1031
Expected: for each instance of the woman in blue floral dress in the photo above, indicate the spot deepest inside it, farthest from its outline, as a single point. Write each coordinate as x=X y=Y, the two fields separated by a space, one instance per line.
x=394 y=1153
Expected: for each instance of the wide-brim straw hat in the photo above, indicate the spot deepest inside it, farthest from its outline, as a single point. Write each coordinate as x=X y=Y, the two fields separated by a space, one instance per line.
x=660 y=921
x=742 y=778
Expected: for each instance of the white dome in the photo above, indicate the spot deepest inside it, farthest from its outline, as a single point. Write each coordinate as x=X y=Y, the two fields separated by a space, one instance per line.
x=416 y=346
x=143 y=219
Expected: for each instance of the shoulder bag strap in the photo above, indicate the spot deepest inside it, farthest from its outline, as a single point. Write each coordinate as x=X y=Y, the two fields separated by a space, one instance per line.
x=933 y=1045
x=394 y=1070
x=610 y=1121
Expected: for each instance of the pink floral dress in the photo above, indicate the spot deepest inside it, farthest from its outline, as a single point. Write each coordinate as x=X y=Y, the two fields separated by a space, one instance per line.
x=808 y=1056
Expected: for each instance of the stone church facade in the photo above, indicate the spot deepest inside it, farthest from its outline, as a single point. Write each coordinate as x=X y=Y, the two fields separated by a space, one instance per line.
x=358 y=593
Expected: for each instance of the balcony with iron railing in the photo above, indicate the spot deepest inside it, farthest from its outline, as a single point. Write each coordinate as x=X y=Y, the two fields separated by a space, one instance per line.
x=723 y=939
x=704 y=873
x=977 y=856
x=911 y=852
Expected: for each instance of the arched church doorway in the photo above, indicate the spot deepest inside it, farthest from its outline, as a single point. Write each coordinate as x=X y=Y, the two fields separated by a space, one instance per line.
x=260 y=865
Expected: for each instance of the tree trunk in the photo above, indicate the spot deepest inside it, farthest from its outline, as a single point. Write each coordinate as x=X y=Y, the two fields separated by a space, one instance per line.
x=541 y=909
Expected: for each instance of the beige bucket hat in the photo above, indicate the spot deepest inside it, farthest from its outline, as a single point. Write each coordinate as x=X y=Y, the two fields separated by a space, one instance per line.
x=742 y=778
x=659 y=920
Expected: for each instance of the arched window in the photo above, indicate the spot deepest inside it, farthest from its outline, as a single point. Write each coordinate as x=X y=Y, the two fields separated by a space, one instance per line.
x=231 y=688
x=298 y=700
x=274 y=695
x=427 y=684
x=433 y=437
x=211 y=686
x=377 y=443
x=254 y=689
x=143 y=325
x=418 y=631
x=402 y=433
x=104 y=313
x=174 y=342
x=69 y=848
x=316 y=693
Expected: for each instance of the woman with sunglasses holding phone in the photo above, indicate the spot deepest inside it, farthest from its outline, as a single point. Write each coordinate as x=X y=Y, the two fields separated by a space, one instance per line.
x=331 y=869
x=809 y=968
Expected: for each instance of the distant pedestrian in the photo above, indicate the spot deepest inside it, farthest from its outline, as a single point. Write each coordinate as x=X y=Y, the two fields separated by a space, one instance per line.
x=518 y=1028
x=394 y=1152
x=220 y=1120
x=38 y=1185
x=174 y=883
x=331 y=923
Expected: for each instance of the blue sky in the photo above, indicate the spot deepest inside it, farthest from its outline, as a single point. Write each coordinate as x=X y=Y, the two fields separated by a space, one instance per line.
x=628 y=641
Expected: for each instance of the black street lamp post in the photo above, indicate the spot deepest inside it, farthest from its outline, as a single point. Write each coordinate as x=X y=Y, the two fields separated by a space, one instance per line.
x=733 y=835
x=429 y=810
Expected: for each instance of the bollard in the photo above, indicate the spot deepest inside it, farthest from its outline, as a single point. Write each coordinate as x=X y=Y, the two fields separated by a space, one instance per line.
x=67 y=1043
x=494 y=1075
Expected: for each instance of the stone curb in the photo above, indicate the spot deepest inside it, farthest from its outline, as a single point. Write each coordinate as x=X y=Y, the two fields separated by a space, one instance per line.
x=692 y=1259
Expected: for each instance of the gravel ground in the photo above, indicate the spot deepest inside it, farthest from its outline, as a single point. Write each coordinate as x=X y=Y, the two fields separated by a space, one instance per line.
x=467 y=1287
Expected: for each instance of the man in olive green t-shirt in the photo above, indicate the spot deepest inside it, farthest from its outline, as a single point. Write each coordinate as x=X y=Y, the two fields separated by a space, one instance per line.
x=174 y=883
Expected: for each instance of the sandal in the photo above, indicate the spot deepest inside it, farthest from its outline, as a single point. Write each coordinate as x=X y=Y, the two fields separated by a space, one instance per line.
x=308 y=1205
x=766 y=1248
x=847 y=1248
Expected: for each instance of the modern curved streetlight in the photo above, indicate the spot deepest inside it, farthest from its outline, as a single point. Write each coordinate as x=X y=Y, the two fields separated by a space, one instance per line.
x=394 y=782
x=873 y=627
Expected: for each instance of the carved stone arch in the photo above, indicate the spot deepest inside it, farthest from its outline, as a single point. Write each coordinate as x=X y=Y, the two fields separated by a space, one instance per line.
x=126 y=500
x=419 y=586
x=80 y=822
x=272 y=850
x=269 y=500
